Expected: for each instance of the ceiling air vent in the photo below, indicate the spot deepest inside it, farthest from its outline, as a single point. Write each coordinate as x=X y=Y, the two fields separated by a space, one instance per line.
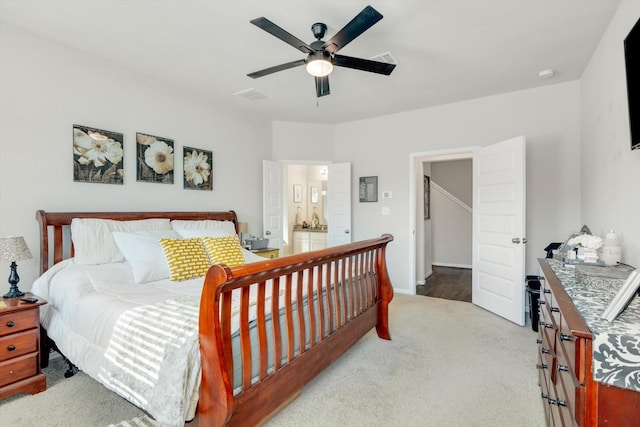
x=386 y=57
x=251 y=94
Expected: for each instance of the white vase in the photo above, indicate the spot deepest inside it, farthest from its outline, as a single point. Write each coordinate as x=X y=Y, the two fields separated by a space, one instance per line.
x=610 y=252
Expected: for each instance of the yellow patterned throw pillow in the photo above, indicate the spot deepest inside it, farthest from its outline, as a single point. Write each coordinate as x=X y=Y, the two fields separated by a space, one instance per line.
x=224 y=250
x=187 y=258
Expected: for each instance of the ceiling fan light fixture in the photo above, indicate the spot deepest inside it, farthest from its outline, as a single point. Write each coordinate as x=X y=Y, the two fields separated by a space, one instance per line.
x=319 y=67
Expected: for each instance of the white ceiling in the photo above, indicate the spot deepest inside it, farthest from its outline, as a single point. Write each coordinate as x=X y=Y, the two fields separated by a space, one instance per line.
x=447 y=50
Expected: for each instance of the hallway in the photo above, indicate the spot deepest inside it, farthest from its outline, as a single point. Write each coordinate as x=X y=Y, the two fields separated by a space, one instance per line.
x=447 y=283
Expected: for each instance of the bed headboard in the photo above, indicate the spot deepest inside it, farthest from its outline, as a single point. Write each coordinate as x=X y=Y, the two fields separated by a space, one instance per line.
x=55 y=234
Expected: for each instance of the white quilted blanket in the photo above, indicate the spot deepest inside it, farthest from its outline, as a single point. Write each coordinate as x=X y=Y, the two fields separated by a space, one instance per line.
x=139 y=340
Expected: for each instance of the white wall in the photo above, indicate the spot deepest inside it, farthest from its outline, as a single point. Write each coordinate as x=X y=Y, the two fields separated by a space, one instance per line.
x=547 y=116
x=452 y=232
x=45 y=88
x=302 y=141
x=456 y=177
x=610 y=173
x=424 y=255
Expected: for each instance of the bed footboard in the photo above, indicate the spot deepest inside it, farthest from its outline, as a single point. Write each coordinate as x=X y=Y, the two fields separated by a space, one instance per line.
x=308 y=309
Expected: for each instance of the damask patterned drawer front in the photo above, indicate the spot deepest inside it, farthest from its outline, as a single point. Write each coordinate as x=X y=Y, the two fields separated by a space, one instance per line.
x=18 y=369
x=11 y=323
x=18 y=344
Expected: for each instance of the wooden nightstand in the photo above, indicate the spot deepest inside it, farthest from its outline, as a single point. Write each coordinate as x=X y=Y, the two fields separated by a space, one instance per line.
x=20 y=347
x=267 y=252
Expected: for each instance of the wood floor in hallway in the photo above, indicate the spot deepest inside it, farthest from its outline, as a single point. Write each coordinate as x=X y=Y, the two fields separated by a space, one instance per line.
x=447 y=283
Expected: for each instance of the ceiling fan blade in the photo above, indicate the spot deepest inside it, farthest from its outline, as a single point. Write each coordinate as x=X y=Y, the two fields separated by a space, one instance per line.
x=358 y=25
x=322 y=86
x=276 y=68
x=363 y=64
x=286 y=37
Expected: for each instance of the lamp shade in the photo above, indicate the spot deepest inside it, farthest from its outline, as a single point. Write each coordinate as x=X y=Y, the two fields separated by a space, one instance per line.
x=243 y=227
x=14 y=249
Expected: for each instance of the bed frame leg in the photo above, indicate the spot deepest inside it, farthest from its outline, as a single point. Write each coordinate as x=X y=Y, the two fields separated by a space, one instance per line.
x=47 y=345
x=45 y=348
x=71 y=369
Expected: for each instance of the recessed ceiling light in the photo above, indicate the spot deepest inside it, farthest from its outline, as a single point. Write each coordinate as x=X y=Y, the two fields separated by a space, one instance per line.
x=546 y=74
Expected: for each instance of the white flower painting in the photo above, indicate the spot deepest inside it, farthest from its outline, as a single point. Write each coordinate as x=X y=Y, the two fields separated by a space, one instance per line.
x=97 y=155
x=154 y=159
x=198 y=169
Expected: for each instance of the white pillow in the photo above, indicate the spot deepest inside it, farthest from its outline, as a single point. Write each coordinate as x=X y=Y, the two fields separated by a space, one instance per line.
x=178 y=224
x=144 y=254
x=93 y=242
x=205 y=232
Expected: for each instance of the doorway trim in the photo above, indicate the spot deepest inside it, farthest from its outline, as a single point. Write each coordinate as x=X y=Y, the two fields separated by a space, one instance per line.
x=415 y=175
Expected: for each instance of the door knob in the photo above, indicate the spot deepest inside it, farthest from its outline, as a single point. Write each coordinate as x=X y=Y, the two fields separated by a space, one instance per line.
x=268 y=233
x=346 y=231
x=515 y=240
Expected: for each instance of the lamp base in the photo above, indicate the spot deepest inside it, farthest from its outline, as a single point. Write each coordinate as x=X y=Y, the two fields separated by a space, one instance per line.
x=14 y=292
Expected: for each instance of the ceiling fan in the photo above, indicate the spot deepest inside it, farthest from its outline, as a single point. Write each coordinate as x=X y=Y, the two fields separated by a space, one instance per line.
x=321 y=55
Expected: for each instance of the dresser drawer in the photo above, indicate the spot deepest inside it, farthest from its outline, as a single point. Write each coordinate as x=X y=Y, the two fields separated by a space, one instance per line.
x=18 y=369
x=11 y=323
x=567 y=387
x=18 y=344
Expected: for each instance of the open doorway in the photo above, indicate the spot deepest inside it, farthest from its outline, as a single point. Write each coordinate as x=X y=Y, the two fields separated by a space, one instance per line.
x=318 y=195
x=448 y=230
x=444 y=225
x=306 y=208
x=498 y=224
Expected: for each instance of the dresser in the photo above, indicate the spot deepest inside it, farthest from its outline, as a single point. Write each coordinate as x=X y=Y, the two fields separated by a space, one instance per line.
x=20 y=347
x=572 y=396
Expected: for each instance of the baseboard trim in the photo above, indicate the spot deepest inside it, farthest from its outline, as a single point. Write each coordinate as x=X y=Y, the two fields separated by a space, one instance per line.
x=447 y=264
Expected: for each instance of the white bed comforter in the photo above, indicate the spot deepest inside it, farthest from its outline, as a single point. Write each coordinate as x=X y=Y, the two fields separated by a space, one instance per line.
x=139 y=340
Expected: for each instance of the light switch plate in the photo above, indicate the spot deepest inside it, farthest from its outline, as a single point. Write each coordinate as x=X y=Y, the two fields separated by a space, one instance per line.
x=386 y=194
x=386 y=210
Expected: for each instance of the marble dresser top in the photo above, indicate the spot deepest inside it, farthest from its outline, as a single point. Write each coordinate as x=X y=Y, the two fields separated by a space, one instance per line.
x=616 y=345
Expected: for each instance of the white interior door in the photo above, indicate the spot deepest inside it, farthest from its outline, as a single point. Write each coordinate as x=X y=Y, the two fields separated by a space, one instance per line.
x=272 y=203
x=499 y=228
x=339 y=204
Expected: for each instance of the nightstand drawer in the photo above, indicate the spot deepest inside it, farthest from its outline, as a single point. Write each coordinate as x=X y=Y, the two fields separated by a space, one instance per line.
x=11 y=323
x=18 y=344
x=18 y=369
x=267 y=253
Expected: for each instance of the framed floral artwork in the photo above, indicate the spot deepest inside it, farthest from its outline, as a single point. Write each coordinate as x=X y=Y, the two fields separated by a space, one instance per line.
x=97 y=155
x=154 y=159
x=198 y=169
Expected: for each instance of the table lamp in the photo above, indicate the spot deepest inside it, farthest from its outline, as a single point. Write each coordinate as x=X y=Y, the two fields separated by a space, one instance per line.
x=14 y=249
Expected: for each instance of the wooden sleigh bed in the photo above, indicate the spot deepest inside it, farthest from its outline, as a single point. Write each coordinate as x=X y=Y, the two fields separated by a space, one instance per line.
x=328 y=300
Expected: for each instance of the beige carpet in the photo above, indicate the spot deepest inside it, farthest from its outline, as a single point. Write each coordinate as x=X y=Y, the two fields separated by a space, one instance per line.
x=449 y=364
